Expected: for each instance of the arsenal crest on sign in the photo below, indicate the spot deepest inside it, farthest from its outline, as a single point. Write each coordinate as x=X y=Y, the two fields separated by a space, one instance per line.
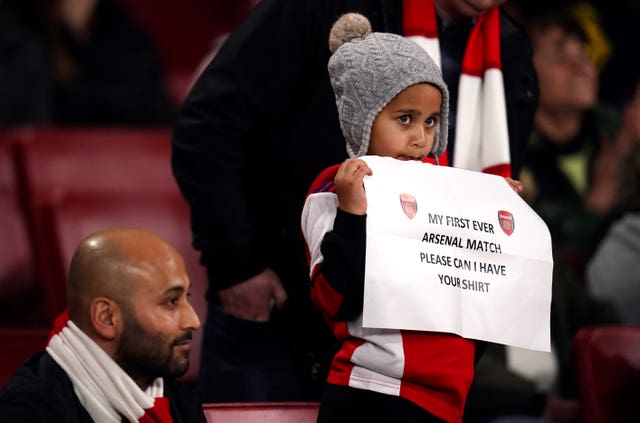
x=409 y=205
x=506 y=221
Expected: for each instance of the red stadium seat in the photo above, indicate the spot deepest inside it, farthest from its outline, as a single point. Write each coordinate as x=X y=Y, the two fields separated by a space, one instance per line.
x=608 y=373
x=16 y=347
x=57 y=161
x=71 y=218
x=96 y=159
x=183 y=32
x=18 y=288
x=262 y=412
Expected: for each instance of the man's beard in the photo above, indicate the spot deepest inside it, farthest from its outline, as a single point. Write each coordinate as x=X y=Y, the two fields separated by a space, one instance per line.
x=148 y=355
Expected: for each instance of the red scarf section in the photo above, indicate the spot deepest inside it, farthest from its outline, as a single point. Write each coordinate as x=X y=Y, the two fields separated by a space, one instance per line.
x=159 y=413
x=482 y=139
x=58 y=324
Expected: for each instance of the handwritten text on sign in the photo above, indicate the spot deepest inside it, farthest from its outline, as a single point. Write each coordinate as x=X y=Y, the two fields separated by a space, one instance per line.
x=450 y=250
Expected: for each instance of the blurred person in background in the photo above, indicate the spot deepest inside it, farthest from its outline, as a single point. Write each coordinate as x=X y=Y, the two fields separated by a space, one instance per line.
x=613 y=272
x=98 y=67
x=570 y=180
x=24 y=87
x=569 y=169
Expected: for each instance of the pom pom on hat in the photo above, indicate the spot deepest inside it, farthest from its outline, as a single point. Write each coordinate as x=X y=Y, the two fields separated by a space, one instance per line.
x=346 y=28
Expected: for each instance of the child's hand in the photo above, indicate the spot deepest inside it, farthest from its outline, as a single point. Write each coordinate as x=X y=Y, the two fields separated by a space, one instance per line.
x=350 y=188
x=516 y=185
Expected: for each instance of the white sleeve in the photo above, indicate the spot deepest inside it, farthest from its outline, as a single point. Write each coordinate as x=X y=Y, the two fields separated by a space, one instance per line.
x=318 y=215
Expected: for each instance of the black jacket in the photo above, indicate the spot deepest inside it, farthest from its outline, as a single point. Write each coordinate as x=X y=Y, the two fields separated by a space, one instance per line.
x=261 y=123
x=42 y=392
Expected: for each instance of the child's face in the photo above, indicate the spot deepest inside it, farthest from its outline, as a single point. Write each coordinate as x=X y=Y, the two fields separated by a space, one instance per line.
x=405 y=128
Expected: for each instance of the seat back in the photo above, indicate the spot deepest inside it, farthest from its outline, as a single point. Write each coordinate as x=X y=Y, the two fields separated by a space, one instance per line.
x=98 y=160
x=608 y=373
x=95 y=159
x=263 y=412
x=182 y=35
x=71 y=218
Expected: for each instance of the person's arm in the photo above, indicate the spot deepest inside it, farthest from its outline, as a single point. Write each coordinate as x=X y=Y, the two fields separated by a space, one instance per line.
x=254 y=298
x=255 y=77
x=515 y=185
x=613 y=148
x=334 y=227
x=342 y=270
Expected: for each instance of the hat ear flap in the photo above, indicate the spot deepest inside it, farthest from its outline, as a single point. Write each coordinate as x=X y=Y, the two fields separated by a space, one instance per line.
x=442 y=127
x=436 y=141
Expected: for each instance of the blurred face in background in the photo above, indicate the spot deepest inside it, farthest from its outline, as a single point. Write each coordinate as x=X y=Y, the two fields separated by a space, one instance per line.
x=567 y=77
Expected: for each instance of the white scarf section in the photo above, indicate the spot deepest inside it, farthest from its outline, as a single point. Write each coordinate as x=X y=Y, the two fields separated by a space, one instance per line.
x=104 y=389
x=482 y=136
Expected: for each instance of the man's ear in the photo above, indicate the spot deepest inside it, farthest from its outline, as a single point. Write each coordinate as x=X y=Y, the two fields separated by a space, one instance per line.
x=106 y=317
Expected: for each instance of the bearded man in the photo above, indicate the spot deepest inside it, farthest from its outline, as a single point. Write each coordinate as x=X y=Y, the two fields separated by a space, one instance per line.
x=113 y=356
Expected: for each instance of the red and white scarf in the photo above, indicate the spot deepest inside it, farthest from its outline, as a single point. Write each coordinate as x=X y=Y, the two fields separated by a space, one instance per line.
x=104 y=389
x=482 y=137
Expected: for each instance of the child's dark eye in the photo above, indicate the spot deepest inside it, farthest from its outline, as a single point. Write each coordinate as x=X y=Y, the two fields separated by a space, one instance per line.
x=430 y=122
x=404 y=119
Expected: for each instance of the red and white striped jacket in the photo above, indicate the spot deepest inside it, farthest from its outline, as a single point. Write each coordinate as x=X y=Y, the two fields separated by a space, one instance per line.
x=433 y=370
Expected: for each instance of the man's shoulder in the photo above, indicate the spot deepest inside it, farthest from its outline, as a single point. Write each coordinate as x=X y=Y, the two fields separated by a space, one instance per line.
x=33 y=376
x=40 y=391
x=185 y=401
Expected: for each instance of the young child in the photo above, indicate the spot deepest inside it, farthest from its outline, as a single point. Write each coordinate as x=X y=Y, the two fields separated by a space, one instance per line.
x=392 y=101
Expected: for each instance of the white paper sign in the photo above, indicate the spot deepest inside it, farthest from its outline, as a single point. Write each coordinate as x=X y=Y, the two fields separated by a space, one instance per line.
x=450 y=250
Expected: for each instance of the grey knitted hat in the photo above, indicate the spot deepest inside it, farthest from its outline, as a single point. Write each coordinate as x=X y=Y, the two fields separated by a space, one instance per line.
x=368 y=69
